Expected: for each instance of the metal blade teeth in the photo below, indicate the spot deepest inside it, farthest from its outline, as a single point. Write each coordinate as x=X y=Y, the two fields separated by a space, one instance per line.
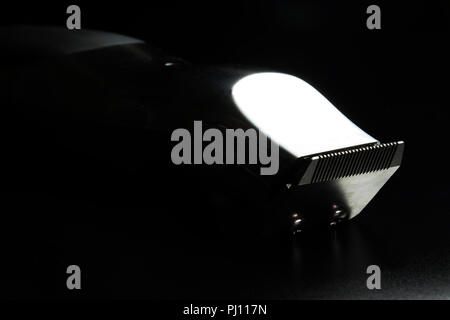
x=341 y=164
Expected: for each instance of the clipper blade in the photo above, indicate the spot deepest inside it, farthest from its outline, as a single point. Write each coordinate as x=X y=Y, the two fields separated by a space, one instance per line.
x=337 y=185
x=353 y=161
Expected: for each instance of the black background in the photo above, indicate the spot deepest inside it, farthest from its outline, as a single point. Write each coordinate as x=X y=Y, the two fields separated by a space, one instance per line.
x=393 y=82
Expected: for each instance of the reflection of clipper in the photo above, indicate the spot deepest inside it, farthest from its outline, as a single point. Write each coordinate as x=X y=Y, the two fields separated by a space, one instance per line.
x=117 y=100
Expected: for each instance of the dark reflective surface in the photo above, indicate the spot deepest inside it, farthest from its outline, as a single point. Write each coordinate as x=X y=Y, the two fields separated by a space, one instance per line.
x=399 y=72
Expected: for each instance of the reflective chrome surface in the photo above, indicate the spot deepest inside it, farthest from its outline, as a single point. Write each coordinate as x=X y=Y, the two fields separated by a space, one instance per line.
x=295 y=115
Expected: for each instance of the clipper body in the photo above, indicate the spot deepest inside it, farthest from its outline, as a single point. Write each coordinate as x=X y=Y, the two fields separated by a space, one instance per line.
x=117 y=100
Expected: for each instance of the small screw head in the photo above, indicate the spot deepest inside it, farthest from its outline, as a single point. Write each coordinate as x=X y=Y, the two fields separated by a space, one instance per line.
x=296 y=222
x=338 y=215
